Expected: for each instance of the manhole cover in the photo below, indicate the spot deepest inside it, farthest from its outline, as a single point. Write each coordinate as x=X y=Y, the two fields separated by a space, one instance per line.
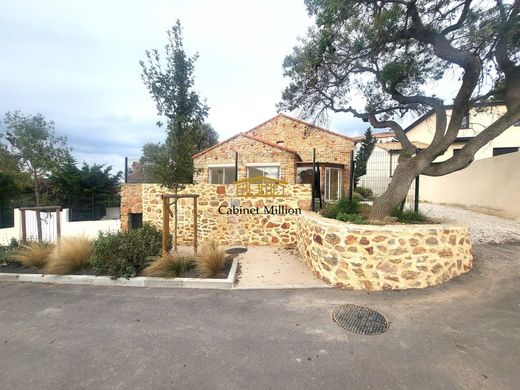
x=236 y=251
x=360 y=319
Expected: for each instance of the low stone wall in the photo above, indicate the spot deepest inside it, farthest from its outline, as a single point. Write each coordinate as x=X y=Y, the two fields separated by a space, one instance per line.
x=391 y=257
x=230 y=229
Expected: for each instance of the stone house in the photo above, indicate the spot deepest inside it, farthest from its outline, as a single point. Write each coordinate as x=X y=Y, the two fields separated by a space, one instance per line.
x=280 y=148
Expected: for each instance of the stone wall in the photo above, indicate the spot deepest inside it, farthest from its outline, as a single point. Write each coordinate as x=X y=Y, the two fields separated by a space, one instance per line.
x=131 y=202
x=229 y=229
x=303 y=138
x=387 y=257
x=250 y=151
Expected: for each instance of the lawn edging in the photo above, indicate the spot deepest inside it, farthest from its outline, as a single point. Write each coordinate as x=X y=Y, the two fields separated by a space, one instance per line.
x=138 y=281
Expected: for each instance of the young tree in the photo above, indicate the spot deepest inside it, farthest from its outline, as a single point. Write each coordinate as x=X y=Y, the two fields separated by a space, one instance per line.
x=362 y=156
x=389 y=53
x=35 y=145
x=172 y=87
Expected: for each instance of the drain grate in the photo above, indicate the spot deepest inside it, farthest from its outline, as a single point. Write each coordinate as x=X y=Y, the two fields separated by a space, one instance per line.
x=360 y=319
x=236 y=250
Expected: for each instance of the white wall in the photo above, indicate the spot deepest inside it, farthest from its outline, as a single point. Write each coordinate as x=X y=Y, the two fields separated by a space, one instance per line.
x=87 y=228
x=492 y=183
x=479 y=119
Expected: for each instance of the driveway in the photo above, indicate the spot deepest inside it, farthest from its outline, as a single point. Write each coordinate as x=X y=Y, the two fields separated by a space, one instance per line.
x=484 y=228
x=464 y=334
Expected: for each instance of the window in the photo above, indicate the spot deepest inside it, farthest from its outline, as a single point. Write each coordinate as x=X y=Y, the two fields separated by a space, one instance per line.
x=332 y=183
x=222 y=175
x=465 y=121
x=264 y=171
x=500 y=151
x=304 y=175
x=455 y=151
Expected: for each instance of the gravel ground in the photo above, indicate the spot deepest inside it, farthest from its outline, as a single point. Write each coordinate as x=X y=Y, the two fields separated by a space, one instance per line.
x=484 y=229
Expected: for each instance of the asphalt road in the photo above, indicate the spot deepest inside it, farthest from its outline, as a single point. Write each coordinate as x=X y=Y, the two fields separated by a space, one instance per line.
x=464 y=334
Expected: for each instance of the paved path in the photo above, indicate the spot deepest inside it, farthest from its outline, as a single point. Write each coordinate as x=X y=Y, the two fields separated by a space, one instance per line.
x=464 y=334
x=272 y=267
x=484 y=228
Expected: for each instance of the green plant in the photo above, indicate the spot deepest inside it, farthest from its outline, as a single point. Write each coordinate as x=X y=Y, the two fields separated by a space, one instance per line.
x=169 y=266
x=7 y=251
x=72 y=254
x=354 y=218
x=33 y=254
x=357 y=196
x=366 y=193
x=211 y=260
x=343 y=205
x=409 y=216
x=126 y=253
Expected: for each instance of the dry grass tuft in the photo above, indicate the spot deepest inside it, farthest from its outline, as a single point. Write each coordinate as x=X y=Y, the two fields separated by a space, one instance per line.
x=73 y=254
x=33 y=254
x=169 y=266
x=211 y=260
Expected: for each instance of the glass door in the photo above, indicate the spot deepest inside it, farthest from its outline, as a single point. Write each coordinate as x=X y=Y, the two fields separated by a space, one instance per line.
x=332 y=184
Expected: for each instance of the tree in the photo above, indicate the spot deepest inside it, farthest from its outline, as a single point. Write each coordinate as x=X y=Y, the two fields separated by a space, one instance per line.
x=172 y=87
x=362 y=156
x=388 y=53
x=36 y=147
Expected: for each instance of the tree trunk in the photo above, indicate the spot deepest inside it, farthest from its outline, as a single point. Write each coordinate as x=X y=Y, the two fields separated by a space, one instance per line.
x=396 y=192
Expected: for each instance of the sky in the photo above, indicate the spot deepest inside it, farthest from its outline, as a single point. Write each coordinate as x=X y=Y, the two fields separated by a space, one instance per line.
x=77 y=63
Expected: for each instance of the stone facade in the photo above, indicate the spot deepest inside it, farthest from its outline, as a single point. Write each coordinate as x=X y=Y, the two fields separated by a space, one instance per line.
x=250 y=151
x=283 y=140
x=131 y=202
x=391 y=257
x=303 y=137
x=229 y=229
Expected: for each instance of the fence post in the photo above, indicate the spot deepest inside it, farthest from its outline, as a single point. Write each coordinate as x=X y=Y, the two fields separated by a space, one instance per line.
x=126 y=170
x=416 y=197
x=313 y=178
x=236 y=166
x=351 y=173
x=24 y=226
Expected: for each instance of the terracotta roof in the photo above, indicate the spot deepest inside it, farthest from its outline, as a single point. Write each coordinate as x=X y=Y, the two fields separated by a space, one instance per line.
x=304 y=123
x=390 y=146
x=247 y=136
x=384 y=134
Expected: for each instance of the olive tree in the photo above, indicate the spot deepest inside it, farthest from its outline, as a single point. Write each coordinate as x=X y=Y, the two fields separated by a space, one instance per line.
x=387 y=55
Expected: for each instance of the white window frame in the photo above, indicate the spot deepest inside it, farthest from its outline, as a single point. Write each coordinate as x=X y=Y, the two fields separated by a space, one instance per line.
x=224 y=166
x=327 y=182
x=266 y=165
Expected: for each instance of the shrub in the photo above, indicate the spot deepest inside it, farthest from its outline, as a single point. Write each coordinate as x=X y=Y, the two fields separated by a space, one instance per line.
x=357 y=196
x=343 y=205
x=366 y=193
x=73 y=254
x=169 y=266
x=8 y=251
x=211 y=260
x=354 y=218
x=409 y=216
x=33 y=254
x=126 y=253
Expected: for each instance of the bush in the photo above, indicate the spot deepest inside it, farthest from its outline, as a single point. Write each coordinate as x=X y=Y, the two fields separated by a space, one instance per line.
x=127 y=253
x=73 y=254
x=169 y=266
x=357 y=196
x=343 y=205
x=354 y=218
x=33 y=254
x=366 y=193
x=8 y=251
x=211 y=260
x=409 y=216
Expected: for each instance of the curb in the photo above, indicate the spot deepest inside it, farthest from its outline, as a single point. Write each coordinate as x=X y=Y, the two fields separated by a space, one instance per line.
x=138 y=281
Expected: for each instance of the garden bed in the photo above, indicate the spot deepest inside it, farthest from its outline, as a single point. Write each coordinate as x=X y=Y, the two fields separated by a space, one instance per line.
x=224 y=280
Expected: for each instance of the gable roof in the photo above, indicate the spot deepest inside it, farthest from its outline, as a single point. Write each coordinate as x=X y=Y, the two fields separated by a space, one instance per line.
x=246 y=136
x=383 y=134
x=449 y=107
x=390 y=146
x=303 y=123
